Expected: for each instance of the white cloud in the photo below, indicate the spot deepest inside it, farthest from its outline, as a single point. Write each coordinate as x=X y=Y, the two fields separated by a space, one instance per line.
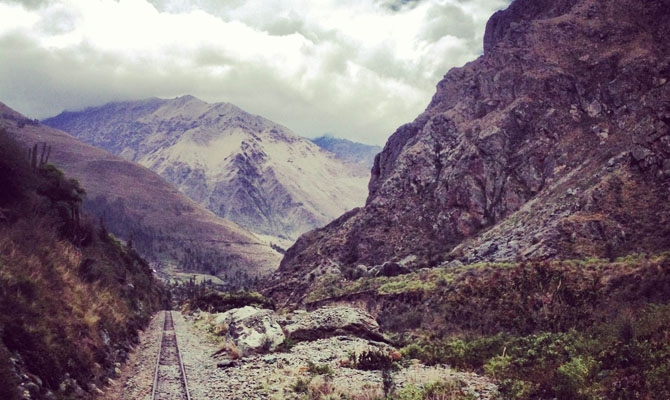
x=358 y=69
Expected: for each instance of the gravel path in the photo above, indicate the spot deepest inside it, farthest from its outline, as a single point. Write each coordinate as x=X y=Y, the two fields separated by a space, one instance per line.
x=137 y=375
x=273 y=376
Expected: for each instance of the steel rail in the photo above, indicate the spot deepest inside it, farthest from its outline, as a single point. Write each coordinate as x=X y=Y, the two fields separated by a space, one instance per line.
x=182 y=371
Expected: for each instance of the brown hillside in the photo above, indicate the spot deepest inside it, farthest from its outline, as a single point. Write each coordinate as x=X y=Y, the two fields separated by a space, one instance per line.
x=136 y=204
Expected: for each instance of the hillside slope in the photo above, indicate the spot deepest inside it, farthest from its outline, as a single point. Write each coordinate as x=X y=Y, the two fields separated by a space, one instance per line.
x=242 y=167
x=136 y=204
x=555 y=143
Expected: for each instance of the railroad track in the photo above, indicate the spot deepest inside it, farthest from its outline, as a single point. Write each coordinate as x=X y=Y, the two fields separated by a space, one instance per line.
x=169 y=379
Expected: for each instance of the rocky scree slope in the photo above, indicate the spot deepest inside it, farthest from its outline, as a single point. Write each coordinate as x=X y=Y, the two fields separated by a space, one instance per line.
x=240 y=166
x=553 y=144
x=137 y=204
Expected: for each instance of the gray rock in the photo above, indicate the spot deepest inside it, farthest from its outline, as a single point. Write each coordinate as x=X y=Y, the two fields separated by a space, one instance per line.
x=252 y=330
x=333 y=321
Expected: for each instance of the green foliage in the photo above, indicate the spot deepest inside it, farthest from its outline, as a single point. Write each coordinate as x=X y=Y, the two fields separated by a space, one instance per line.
x=452 y=389
x=573 y=377
x=498 y=366
x=589 y=364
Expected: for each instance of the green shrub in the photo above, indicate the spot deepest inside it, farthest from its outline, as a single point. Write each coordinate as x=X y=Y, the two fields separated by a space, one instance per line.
x=322 y=369
x=374 y=360
x=498 y=366
x=573 y=377
x=452 y=389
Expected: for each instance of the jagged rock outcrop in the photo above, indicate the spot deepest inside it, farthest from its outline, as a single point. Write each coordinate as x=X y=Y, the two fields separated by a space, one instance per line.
x=555 y=143
x=242 y=167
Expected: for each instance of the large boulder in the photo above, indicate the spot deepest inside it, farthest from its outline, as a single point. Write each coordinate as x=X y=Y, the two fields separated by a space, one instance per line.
x=251 y=329
x=332 y=321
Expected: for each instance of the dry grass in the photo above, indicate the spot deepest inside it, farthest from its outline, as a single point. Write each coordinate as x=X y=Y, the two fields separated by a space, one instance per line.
x=59 y=321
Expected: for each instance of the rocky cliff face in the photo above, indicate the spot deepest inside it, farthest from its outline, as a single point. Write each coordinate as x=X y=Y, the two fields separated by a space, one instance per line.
x=242 y=167
x=555 y=143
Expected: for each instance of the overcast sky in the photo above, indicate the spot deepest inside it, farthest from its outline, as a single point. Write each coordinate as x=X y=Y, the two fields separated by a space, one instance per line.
x=356 y=69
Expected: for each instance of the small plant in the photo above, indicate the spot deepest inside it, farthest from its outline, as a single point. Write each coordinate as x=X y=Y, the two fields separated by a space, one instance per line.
x=322 y=369
x=374 y=360
x=301 y=386
x=286 y=345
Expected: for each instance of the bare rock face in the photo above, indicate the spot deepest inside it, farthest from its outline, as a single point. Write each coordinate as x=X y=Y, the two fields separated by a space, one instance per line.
x=555 y=143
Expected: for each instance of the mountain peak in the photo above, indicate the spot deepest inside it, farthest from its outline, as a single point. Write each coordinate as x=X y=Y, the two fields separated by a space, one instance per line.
x=241 y=166
x=538 y=149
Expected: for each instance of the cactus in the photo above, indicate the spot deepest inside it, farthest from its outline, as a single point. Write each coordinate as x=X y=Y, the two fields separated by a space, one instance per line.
x=46 y=152
x=44 y=155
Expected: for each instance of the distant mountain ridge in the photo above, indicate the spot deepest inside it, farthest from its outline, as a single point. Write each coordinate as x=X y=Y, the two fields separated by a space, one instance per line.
x=359 y=153
x=137 y=205
x=241 y=166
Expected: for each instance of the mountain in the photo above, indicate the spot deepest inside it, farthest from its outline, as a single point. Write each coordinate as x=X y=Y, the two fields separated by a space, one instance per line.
x=357 y=153
x=240 y=166
x=139 y=206
x=553 y=144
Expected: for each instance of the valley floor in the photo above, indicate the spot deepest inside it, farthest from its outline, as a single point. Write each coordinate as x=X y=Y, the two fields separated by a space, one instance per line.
x=308 y=370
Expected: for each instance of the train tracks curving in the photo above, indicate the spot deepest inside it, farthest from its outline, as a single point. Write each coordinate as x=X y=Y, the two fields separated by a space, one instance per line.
x=170 y=378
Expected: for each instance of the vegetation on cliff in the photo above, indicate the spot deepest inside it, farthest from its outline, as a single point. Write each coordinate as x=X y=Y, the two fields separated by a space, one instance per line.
x=72 y=297
x=584 y=329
